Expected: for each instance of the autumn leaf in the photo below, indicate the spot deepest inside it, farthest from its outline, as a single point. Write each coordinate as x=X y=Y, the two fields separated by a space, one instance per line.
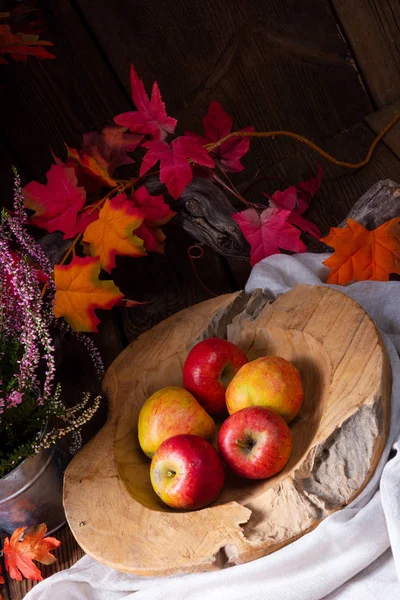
x=175 y=170
x=361 y=254
x=151 y=117
x=19 y=46
x=112 y=233
x=109 y=148
x=156 y=211
x=18 y=555
x=268 y=232
x=217 y=124
x=57 y=204
x=79 y=292
x=297 y=199
x=89 y=172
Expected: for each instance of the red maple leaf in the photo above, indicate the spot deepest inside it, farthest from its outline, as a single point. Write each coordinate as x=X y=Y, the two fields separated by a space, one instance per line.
x=156 y=211
x=109 y=147
x=57 y=204
x=268 y=232
x=175 y=171
x=217 y=124
x=296 y=199
x=151 y=116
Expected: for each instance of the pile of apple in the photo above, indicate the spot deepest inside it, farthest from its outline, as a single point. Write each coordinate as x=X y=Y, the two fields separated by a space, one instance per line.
x=261 y=396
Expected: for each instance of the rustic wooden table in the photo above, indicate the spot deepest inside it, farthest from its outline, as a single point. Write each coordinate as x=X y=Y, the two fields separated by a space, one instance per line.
x=312 y=68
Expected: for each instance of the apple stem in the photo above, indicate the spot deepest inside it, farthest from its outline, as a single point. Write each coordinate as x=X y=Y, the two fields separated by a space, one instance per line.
x=239 y=443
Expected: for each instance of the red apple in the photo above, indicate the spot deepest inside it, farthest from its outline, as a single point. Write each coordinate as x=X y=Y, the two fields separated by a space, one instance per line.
x=209 y=368
x=186 y=472
x=255 y=442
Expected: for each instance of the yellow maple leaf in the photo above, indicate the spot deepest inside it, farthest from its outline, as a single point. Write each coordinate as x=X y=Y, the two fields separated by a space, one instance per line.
x=112 y=232
x=361 y=254
x=79 y=292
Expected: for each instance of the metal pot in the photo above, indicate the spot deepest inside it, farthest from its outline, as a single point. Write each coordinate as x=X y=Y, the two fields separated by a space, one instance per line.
x=32 y=492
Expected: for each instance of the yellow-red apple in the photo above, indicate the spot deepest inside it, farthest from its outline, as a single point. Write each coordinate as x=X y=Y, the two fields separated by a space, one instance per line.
x=255 y=442
x=168 y=412
x=269 y=381
x=186 y=472
x=208 y=370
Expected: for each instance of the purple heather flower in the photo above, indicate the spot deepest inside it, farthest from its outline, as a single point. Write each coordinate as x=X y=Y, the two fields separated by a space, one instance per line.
x=14 y=399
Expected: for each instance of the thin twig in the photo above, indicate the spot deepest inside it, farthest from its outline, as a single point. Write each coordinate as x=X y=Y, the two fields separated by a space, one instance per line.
x=300 y=138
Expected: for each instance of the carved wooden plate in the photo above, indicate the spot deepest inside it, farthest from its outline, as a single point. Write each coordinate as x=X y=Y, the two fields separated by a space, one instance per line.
x=338 y=436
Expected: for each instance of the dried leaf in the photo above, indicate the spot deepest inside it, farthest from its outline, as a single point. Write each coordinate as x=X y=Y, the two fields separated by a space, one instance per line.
x=79 y=292
x=95 y=175
x=57 y=204
x=175 y=170
x=18 y=555
x=112 y=233
x=268 y=232
x=109 y=148
x=151 y=117
x=361 y=254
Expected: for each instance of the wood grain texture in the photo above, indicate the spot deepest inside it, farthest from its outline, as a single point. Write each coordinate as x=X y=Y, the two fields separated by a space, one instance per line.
x=275 y=65
x=338 y=437
x=45 y=104
x=372 y=28
x=341 y=188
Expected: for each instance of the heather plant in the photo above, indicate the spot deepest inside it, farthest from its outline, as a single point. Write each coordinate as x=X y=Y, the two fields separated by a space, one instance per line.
x=32 y=415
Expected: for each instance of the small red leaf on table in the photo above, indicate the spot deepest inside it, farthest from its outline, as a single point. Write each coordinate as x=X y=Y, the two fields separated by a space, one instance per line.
x=79 y=292
x=151 y=117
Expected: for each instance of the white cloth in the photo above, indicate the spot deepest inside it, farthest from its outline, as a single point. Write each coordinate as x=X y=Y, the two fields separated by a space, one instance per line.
x=353 y=554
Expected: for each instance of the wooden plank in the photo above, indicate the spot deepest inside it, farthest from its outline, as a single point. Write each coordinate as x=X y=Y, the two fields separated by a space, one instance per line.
x=280 y=65
x=377 y=121
x=372 y=28
x=340 y=188
x=46 y=103
x=168 y=282
x=67 y=554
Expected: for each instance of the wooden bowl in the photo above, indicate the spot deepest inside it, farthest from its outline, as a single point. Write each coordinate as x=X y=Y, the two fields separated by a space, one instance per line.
x=338 y=436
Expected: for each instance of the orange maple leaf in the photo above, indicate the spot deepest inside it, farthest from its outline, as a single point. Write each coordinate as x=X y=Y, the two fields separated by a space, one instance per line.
x=79 y=292
x=18 y=555
x=361 y=254
x=112 y=233
x=19 y=46
x=91 y=167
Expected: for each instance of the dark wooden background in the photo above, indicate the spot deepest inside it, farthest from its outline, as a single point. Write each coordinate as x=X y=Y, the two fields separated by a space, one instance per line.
x=326 y=69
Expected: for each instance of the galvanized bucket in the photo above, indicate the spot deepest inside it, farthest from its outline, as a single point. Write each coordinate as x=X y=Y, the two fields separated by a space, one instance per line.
x=32 y=492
